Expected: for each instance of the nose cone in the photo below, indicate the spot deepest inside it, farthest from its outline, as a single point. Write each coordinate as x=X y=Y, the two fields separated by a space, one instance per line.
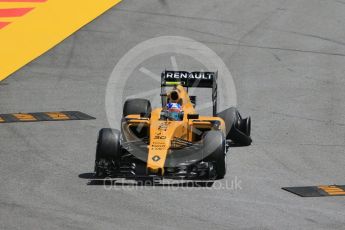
x=159 y=145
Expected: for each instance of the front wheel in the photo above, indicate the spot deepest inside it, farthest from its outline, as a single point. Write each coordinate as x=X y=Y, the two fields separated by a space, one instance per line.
x=214 y=144
x=108 y=150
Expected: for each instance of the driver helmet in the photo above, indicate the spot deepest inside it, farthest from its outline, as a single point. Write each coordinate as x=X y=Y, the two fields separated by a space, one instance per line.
x=174 y=108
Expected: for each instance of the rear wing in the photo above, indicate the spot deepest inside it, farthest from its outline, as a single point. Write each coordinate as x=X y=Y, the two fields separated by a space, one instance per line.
x=192 y=79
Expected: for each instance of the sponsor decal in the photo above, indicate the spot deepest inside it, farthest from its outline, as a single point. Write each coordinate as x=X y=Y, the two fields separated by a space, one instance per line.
x=158 y=145
x=156 y=158
x=163 y=126
x=157 y=137
x=187 y=75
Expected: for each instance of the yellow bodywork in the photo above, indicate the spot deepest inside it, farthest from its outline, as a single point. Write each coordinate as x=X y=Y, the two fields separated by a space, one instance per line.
x=162 y=132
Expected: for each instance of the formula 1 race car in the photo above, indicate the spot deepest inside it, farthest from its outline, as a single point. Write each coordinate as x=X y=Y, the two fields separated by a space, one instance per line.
x=173 y=141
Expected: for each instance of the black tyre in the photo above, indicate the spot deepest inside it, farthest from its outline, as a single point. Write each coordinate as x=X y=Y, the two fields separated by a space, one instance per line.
x=108 y=144
x=214 y=144
x=246 y=126
x=237 y=129
x=137 y=106
x=108 y=150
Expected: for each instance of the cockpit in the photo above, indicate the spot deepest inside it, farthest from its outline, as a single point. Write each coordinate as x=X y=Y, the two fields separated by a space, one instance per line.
x=174 y=109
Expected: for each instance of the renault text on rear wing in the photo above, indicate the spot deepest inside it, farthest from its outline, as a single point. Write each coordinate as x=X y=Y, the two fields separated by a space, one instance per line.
x=189 y=79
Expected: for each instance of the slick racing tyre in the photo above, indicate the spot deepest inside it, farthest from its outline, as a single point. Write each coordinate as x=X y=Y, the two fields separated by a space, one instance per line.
x=108 y=150
x=214 y=142
x=137 y=106
x=108 y=144
x=237 y=129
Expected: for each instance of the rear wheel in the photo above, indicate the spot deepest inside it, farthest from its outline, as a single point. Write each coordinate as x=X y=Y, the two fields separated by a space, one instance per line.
x=108 y=150
x=214 y=143
x=237 y=129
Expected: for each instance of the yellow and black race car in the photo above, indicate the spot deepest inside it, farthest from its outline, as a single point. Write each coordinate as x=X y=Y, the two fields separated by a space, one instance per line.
x=172 y=141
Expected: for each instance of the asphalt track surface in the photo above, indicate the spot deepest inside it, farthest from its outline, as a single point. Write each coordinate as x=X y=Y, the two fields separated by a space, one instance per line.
x=287 y=60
